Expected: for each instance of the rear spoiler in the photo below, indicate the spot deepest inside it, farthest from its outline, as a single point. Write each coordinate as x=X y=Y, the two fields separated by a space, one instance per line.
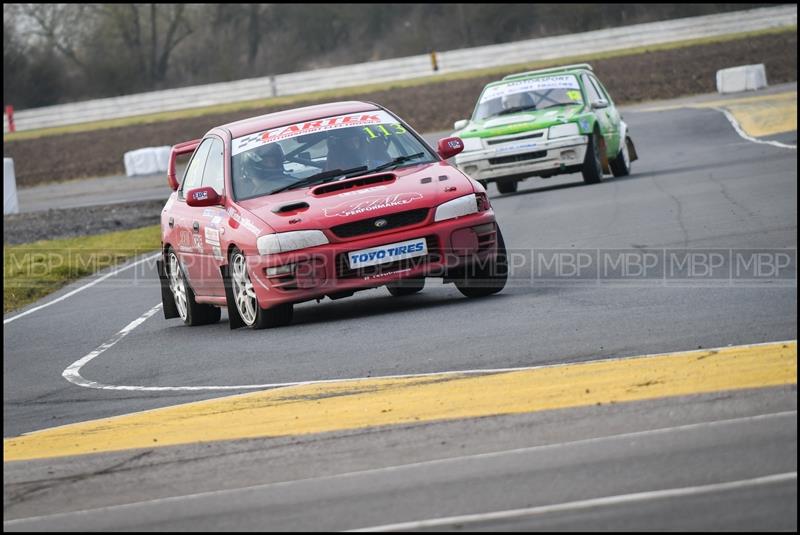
x=181 y=148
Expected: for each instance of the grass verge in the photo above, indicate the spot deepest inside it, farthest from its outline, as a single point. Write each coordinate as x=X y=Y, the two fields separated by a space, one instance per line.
x=343 y=93
x=33 y=270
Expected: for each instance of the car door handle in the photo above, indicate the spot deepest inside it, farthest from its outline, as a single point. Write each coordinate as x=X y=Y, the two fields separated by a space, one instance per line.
x=171 y=222
x=196 y=227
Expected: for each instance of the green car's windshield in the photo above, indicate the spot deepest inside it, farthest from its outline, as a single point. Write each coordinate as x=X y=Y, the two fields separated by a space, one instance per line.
x=322 y=150
x=527 y=95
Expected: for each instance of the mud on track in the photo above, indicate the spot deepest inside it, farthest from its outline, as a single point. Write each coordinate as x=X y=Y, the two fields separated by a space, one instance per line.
x=640 y=77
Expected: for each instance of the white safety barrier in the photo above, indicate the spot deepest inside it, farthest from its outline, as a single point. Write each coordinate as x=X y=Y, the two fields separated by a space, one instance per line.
x=547 y=48
x=10 y=202
x=743 y=78
x=147 y=161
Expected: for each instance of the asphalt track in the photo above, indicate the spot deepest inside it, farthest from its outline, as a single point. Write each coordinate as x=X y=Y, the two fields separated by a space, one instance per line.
x=698 y=186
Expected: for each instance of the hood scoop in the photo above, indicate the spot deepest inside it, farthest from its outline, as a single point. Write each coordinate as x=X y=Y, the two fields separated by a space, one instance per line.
x=290 y=208
x=353 y=184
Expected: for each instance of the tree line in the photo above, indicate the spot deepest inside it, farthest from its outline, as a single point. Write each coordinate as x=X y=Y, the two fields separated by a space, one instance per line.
x=56 y=53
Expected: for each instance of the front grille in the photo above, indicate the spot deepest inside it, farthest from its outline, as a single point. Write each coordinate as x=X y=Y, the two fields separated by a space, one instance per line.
x=393 y=221
x=518 y=157
x=506 y=140
x=343 y=270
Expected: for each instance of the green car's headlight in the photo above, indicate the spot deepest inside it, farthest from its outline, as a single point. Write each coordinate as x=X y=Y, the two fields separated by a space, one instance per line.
x=472 y=143
x=563 y=130
x=290 y=241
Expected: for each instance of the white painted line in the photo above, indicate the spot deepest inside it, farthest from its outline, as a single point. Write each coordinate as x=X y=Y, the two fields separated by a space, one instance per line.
x=586 y=504
x=742 y=133
x=421 y=464
x=72 y=372
x=77 y=290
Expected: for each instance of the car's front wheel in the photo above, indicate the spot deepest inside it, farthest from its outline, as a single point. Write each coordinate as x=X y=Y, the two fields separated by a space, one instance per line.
x=506 y=186
x=592 y=164
x=405 y=287
x=621 y=165
x=244 y=297
x=488 y=279
x=190 y=311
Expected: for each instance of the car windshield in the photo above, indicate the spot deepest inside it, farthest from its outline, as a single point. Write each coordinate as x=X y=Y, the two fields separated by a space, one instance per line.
x=322 y=150
x=528 y=95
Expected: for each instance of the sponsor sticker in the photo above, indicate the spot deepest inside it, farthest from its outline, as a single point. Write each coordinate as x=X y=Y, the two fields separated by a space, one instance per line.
x=384 y=254
x=574 y=95
x=212 y=236
x=200 y=195
x=198 y=243
x=217 y=252
x=243 y=221
x=369 y=204
x=535 y=84
x=512 y=148
x=258 y=139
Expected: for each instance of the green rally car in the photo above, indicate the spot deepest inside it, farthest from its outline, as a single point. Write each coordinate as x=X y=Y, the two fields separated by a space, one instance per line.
x=543 y=123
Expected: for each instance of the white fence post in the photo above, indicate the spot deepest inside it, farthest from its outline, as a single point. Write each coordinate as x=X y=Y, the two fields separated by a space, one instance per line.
x=10 y=202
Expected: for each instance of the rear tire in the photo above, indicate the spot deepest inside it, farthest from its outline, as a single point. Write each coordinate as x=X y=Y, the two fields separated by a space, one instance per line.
x=405 y=287
x=246 y=303
x=621 y=165
x=592 y=164
x=190 y=311
x=507 y=186
x=486 y=280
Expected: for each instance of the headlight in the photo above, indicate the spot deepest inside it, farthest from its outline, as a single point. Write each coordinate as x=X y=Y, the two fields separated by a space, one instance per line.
x=290 y=241
x=563 y=130
x=465 y=205
x=472 y=143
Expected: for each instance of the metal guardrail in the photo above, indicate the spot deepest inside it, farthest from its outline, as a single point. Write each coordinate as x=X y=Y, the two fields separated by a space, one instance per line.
x=405 y=68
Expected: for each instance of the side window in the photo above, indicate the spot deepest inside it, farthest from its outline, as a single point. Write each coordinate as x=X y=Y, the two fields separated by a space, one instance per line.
x=591 y=90
x=214 y=173
x=194 y=172
x=600 y=89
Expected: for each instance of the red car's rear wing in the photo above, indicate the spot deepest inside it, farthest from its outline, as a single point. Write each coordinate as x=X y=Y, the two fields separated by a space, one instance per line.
x=181 y=148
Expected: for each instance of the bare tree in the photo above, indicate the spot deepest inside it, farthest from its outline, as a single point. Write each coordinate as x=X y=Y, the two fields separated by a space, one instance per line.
x=63 y=26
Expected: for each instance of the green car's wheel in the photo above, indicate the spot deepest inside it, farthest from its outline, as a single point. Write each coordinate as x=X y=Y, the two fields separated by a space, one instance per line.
x=506 y=186
x=592 y=165
x=621 y=165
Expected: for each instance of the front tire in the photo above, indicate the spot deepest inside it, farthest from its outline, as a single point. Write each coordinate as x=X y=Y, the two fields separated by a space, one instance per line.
x=592 y=164
x=507 y=186
x=405 y=287
x=621 y=165
x=486 y=280
x=190 y=311
x=246 y=303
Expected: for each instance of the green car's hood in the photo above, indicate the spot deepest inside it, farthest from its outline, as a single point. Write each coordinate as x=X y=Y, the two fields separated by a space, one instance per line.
x=521 y=122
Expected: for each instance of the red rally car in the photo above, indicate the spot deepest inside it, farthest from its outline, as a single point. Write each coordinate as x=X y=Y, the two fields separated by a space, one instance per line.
x=319 y=201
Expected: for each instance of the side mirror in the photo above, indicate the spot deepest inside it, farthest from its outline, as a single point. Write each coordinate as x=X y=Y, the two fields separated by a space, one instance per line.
x=599 y=104
x=205 y=196
x=460 y=124
x=450 y=146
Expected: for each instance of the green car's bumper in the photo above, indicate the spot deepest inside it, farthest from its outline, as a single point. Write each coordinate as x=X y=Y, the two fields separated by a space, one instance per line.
x=522 y=155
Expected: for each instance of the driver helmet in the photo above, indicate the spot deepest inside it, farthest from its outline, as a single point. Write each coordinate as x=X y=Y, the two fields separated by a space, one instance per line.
x=516 y=100
x=346 y=148
x=263 y=162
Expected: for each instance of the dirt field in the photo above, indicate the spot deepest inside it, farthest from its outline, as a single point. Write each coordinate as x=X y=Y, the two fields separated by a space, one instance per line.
x=636 y=78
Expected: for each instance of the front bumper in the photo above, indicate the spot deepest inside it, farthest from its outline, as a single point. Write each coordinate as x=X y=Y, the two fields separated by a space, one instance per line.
x=514 y=159
x=323 y=271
